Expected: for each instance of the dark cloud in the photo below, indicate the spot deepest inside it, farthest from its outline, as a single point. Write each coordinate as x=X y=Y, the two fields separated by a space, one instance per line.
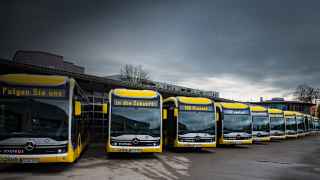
x=273 y=43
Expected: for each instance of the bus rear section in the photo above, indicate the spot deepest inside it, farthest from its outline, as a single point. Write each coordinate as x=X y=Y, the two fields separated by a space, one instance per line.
x=189 y=122
x=41 y=119
x=291 y=124
x=277 y=124
x=300 y=124
x=234 y=123
x=135 y=121
x=260 y=124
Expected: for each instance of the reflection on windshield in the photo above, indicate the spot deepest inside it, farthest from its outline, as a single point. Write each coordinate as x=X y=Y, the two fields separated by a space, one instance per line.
x=277 y=123
x=291 y=124
x=261 y=123
x=135 y=120
x=236 y=123
x=300 y=122
x=196 y=122
x=32 y=117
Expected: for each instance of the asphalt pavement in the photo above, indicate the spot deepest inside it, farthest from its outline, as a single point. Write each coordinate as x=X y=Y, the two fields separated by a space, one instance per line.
x=284 y=160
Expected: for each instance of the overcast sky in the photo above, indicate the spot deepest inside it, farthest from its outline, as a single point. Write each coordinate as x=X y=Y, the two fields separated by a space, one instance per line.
x=243 y=49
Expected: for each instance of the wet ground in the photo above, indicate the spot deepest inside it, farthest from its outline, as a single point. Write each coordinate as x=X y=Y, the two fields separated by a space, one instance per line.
x=289 y=159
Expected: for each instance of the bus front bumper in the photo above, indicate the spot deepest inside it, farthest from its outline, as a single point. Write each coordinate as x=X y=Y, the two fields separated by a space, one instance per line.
x=291 y=136
x=278 y=137
x=178 y=144
x=235 y=142
x=261 y=139
x=26 y=159
x=129 y=149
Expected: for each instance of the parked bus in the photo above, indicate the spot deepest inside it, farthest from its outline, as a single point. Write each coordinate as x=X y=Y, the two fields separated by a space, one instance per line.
x=316 y=126
x=300 y=124
x=277 y=124
x=234 y=123
x=291 y=124
x=260 y=123
x=135 y=121
x=189 y=122
x=41 y=119
x=307 y=119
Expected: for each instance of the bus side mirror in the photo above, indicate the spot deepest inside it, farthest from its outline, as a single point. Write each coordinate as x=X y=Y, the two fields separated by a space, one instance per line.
x=165 y=114
x=77 y=108
x=105 y=108
x=175 y=112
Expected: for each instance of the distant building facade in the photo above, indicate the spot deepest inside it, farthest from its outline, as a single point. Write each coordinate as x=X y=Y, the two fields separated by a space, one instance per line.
x=173 y=88
x=280 y=103
x=46 y=59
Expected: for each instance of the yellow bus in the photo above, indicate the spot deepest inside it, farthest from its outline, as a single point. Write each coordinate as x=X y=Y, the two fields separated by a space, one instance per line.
x=277 y=124
x=291 y=124
x=300 y=124
x=234 y=123
x=41 y=119
x=316 y=126
x=189 y=122
x=135 y=121
x=307 y=120
x=260 y=123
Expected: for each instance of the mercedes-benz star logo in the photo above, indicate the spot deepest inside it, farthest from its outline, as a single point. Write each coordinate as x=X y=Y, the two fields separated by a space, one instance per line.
x=29 y=146
x=197 y=138
x=135 y=141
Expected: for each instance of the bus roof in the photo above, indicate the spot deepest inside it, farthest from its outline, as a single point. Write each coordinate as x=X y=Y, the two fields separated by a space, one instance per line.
x=289 y=113
x=33 y=80
x=234 y=105
x=298 y=113
x=194 y=100
x=275 y=111
x=255 y=108
x=135 y=93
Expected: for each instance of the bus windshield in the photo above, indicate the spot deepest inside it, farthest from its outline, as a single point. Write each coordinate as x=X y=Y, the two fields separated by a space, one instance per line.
x=34 y=117
x=237 y=123
x=277 y=123
x=291 y=124
x=135 y=121
x=261 y=123
x=300 y=122
x=196 y=122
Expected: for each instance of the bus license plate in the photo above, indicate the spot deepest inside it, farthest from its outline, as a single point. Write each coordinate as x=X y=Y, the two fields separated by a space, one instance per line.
x=29 y=161
x=135 y=150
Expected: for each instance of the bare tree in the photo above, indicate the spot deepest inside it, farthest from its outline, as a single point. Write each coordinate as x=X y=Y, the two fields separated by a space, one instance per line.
x=306 y=93
x=134 y=74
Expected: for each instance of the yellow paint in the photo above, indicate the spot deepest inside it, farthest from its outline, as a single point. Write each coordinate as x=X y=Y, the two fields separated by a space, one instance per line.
x=178 y=144
x=105 y=108
x=275 y=111
x=289 y=113
x=235 y=142
x=77 y=108
x=258 y=109
x=113 y=149
x=176 y=112
x=33 y=80
x=261 y=139
x=194 y=100
x=165 y=114
x=233 y=105
x=135 y=93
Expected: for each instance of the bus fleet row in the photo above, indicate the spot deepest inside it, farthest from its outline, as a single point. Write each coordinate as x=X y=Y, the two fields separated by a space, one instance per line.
x=43 y=119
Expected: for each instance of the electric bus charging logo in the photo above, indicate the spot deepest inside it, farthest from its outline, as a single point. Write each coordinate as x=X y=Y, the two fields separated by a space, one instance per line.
x=29 y=146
